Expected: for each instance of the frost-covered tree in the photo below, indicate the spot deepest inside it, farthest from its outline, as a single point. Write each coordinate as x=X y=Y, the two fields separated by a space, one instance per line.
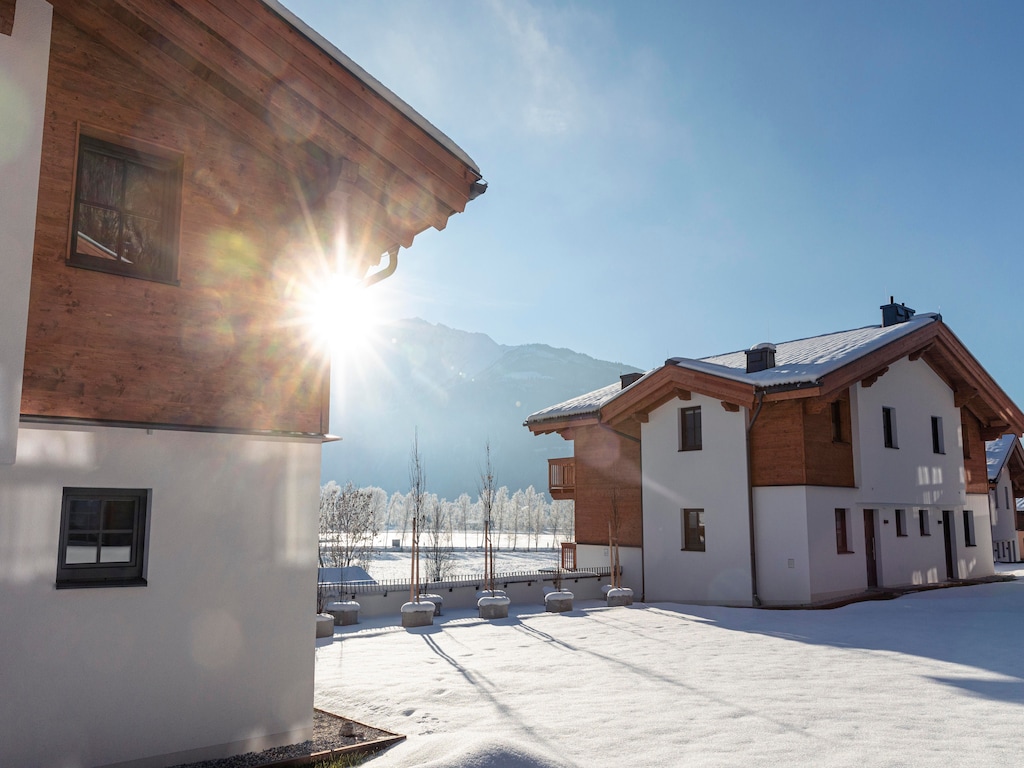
x=463 y=505
x=437 y=554
x=349 y=522
x=499 y=513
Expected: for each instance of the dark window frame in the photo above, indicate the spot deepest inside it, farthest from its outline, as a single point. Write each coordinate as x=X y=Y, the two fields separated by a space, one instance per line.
x=889 y=438
x=938 y=439
x=924 y=524
x=694 y=536
x=901 y=522
x=691 y=432
x=837 y=421
x=842 y=532
x=128 y=573
x=166 y=173
x=970 y=540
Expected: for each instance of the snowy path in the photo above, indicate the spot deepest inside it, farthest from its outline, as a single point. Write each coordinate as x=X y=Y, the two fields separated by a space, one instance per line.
x=935 y=678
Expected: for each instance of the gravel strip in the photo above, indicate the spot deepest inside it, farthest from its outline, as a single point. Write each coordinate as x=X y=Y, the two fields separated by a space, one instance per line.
x=329 y=732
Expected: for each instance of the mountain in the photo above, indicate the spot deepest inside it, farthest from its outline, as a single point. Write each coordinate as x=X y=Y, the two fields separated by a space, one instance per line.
x=456 y=390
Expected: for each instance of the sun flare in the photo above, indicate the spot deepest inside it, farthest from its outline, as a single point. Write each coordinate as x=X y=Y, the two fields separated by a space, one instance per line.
x=342 y=314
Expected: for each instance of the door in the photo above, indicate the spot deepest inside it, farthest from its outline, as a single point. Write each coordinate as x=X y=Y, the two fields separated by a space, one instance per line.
x=947 y=535
x=869 y=547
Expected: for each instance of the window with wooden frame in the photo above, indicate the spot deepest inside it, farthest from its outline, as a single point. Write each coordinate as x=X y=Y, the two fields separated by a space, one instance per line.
x=969 y=538
x=842 y=533
x=126 y=211
x=837 y=421
x=924 y=524
x=690 y=437
x=693 y=530
x=889 y=427
x=938 y=441
x=103 y=537
x=901 y=522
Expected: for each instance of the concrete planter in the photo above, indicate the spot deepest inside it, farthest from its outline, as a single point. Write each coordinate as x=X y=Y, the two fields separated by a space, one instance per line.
x=495 y=607
x=437 y=600
x=345 y=612
x=324 y=625
x=619 y=596
x=558 y=602
x=417 y=614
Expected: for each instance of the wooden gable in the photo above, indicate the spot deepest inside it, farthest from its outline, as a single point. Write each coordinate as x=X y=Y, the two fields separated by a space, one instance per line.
x=287 y=159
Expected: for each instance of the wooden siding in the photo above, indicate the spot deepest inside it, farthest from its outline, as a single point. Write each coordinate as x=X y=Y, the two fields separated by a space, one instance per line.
x=215 y=351
x=792 y=444
x=607 y=463
x=975 y=465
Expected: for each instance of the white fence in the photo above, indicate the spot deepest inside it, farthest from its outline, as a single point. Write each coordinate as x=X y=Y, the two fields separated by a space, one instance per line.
x=522 y=587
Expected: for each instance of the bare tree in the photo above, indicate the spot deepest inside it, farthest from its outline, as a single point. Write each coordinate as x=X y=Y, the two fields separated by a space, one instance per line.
x=414 y=505
x=499 y=513
x=435 y=525
x=348 y=524
x=487 y=497
x=463 y=505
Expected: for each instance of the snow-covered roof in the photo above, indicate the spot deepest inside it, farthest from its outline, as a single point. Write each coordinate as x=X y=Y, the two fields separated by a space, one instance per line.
x=996 y=454
x=803 y=361
x=371 y=82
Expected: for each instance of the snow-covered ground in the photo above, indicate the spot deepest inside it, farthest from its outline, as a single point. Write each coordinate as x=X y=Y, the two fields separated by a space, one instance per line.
x=930 y=679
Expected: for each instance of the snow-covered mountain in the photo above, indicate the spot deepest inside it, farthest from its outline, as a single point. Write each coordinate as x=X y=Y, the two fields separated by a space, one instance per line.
x=457 y=390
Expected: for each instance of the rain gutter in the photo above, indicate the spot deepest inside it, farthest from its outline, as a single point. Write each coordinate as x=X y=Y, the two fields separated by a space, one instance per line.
x=756 y=599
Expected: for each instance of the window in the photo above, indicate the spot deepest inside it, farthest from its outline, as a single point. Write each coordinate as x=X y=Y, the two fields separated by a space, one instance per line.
x=1006 y=495
x=938 y=443
x=693 y=530
x=842 y=539
x=126 y=214
x=969 y=539
x=689 y=429
x=837 y=422
x=889 y=427
x=102 y=537
x=901 y=522
x=924 y=523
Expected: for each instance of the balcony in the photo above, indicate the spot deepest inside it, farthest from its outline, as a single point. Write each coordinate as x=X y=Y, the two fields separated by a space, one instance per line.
x=562 y=478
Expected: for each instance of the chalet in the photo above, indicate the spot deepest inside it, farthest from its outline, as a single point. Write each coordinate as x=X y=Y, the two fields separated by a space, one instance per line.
x=1005 y=458
x=176 y=178
x=789 y=474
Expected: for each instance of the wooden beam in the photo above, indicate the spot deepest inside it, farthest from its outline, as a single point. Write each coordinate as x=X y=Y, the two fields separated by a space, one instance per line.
x=730 y=407
x=641 y=417
x=869 y=380
x=682 y=394
x=961 y=397
x=916 y=354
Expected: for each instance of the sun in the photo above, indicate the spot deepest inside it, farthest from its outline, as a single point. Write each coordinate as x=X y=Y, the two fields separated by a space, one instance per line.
x=342 y=314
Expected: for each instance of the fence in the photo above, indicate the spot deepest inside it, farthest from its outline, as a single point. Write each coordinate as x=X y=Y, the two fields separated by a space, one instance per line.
x=381 y=598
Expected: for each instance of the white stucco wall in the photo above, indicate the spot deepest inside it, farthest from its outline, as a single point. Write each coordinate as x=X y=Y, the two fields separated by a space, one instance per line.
x=630 y=560
x=783 y=549
x=713 y=479
x=24 y=63
x=215 y=655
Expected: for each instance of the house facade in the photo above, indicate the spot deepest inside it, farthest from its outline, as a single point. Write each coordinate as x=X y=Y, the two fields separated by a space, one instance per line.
x=177 y=179
x=801 y=472
x=1005 y=458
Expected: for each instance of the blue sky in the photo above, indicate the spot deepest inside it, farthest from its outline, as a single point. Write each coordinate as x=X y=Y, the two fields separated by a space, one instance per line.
x=692 y=178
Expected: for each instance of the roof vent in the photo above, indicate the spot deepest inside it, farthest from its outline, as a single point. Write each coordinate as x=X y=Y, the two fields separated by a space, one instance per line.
x=629 y=378
x=893 y=313
x=760 y=357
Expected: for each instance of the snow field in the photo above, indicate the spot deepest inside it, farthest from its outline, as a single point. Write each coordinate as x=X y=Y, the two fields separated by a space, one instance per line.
x=935 y=678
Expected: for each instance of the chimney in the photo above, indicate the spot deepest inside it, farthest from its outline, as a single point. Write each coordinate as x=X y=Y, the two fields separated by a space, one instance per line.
x=629 y=378
x=893 y=313
x=760 y=357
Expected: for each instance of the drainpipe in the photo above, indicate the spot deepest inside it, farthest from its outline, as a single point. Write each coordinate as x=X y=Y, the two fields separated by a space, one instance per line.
x=750 y=504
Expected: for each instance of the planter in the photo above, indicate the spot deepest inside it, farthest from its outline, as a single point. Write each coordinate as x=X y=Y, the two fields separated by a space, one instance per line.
x=619 y=596
x=417 y=614
x=493 y=607
x=324 y=625
x=345 y=612
x=437 y=600
x=558 y=602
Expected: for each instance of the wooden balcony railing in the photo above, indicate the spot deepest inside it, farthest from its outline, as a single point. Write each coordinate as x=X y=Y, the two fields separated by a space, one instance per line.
x=562 y=478
x=569 y=556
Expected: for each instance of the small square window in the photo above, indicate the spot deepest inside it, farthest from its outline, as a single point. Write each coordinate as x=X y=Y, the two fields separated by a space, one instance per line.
x=889 y=427
x=690 y=437
x=693 y=530
x=969 y=538
x=103 y=537
x=924 y=523
x=126 y=215
x=938 y=441
x=842 y=534
x=901 y=522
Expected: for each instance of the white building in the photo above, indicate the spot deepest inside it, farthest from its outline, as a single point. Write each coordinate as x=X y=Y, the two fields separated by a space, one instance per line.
x=796 y=473
x=1006 y=487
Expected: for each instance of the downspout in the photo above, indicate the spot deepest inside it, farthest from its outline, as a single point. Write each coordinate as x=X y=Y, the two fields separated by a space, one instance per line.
x=388 y=271
x=750 y=504
x=643 y=549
